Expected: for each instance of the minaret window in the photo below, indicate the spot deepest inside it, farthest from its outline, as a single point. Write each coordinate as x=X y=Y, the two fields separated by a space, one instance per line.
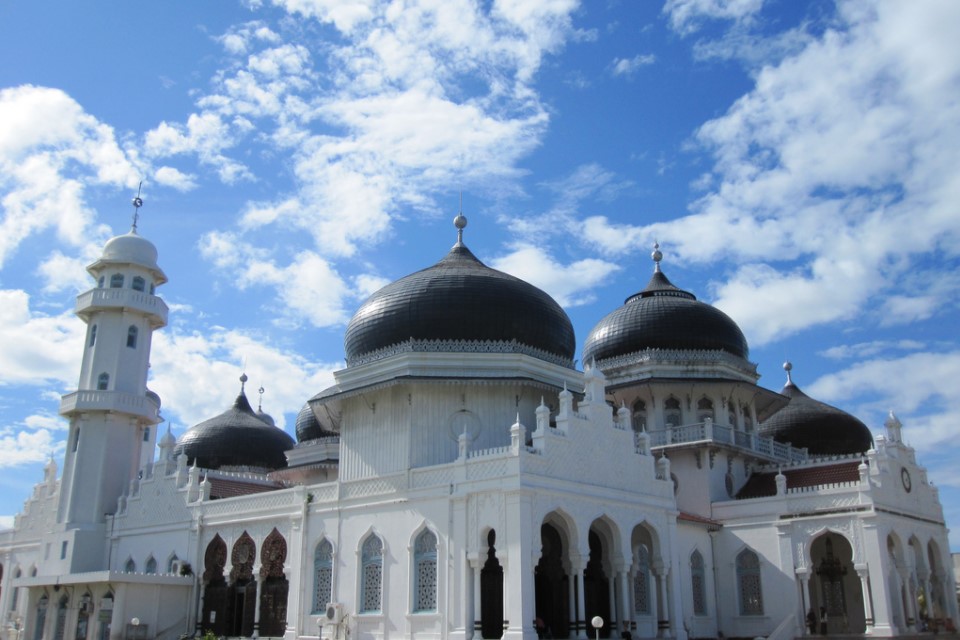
x=731 y=414
x=100 y=281
x=103 y=382
x=153 y=288
x=639 y=415
x=93 y=336
x=76 y=438
x=671 y=412
x=130 y=566
x=132 y=337
x=705 y=410
x=138 y=283
x=151 y=565
x=116 y=281
x=747 y=420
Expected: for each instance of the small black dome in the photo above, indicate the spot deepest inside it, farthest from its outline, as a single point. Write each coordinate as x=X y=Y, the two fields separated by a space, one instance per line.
x=235 y=438
x=663 y=317
x=308 y=427
x=818 y=427
x=460 y=298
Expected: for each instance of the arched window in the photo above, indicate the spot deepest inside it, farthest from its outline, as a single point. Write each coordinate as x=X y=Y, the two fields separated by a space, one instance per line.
x=61 y=625
x=749 y=584
x=151 y=566
x=173 y=564
x=116 y=281
x=705 y=410
x=671 y=412
x=93 y=336
x=425 y=572
x=132 y=337
x=698 y=584
x=41 y=617
x=371 y=579
x=100 y=282
x=130 y=566
x=641 y=581
x=639 y=415
x=103 y=382
x=322 y=576
x=731 y=414
x=138 y=283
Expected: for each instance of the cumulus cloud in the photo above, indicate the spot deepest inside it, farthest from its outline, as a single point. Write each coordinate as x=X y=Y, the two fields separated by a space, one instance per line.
x=824 y=185
x=51 y=153
x=196 y=374
x=36 y=348
x=570 y=285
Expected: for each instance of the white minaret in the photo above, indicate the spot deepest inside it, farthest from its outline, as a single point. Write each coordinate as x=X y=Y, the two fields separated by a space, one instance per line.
x=112 y=414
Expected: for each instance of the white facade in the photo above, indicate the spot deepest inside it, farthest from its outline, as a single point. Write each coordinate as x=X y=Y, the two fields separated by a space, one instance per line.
x=470 y=494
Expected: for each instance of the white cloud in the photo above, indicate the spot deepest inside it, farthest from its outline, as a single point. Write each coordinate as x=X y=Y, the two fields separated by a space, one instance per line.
x=570 y=285
x=870 y=349
x=196 y=374
x=24 y=447
x=686 y=16
x=51 y=153
x=629 y=66
x=37 y=349
x=64 y=273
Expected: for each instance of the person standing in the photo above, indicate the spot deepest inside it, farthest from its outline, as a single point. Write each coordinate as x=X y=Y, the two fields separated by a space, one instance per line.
x=823 y=621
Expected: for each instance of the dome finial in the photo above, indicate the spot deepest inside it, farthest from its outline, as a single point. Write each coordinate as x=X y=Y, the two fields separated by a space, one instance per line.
x=260 y=401
x=788 y=367
x=460 y=222
x=657 y=256
x=243 y=381
x=137 y=203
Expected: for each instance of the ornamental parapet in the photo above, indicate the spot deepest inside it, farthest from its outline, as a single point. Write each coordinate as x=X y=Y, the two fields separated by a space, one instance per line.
x=95 y=300
x=460 y=346
x=711 y=433
x=112 y=401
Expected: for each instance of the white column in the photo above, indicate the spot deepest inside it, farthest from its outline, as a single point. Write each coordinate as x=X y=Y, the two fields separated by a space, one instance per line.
x=258 y=585
x=581 y=611
x=864 y=575
x=625 y=613
x=663 y=607
x=803 y=581
x=473 y=630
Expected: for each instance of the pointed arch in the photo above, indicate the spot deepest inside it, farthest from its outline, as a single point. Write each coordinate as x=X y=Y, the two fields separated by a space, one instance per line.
x=425 y=547
x=491 y=591
x=61 y=623
x=116 y=281
x=639 y=415
x=552 y=583
x=40 y=617
x=749 y=583
x=130 y=566
x=132 y=333
x=274 y=585
x=150 y=567
x=698 y=583
x=705 y=409
x=138 y=284
x=672 y=414
x=173 y=564
x=322 y=575
x=371 y=574
x=242 y=590
x=214 y=616
x=103 y=381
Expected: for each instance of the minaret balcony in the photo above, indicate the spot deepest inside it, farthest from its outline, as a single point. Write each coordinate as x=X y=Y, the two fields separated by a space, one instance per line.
x=112 y=401
x=95 y=300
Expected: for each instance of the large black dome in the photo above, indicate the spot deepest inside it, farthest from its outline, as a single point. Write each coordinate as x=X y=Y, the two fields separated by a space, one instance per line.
x=818 y=427
x=663 y=317
x=460 y=299
x=235 y=438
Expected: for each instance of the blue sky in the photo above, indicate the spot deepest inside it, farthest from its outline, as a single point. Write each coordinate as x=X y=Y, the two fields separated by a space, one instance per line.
x=799 y=163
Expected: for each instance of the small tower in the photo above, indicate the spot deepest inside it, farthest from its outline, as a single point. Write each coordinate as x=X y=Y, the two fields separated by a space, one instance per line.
x=112 y=413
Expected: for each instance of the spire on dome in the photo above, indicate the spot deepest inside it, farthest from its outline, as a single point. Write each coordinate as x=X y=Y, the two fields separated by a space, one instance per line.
x=788 y=367
x=657 y=256
x=243 y=382
x=137 y=203
x=460 y=222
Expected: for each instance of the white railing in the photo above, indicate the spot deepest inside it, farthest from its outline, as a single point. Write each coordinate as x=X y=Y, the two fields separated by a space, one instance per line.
x=721 y=434
x=138 y=300
x=108 y=401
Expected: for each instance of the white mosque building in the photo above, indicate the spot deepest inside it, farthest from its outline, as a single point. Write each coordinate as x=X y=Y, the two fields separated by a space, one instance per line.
x=463 y=480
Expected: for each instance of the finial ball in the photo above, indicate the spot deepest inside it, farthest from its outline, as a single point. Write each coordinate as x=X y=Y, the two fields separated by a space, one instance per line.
x=656 y=255
x=460 y=221
x=138 y=202
x=243 y=377
x=788 y=366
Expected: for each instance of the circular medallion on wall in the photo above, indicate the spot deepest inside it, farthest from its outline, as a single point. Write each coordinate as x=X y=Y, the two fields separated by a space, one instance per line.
x=464 y=421
x=905 y=479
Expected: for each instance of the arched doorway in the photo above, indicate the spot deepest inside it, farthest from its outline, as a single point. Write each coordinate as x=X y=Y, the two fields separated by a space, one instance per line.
x=552 y=584
x=214 y=616
x=596 y=584
x=491 y=592
x=835 y=587
x=273 y=596
x=242 y=592
x=643 y=583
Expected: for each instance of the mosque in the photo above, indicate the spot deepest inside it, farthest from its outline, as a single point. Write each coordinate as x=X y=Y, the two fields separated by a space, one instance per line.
x=462 y=479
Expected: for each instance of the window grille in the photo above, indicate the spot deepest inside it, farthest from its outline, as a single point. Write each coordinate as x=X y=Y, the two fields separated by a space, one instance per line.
x=372 y=575
x=425 y=561
x=748 y=584
x=641 y=582
x=323 y=576
x=698 y=584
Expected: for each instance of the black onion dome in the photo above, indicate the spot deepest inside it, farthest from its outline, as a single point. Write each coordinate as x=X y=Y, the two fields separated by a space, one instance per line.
x=235 y=438
x=460 y=298
x=663 y=316
x=308 y=427
x=818 y=427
